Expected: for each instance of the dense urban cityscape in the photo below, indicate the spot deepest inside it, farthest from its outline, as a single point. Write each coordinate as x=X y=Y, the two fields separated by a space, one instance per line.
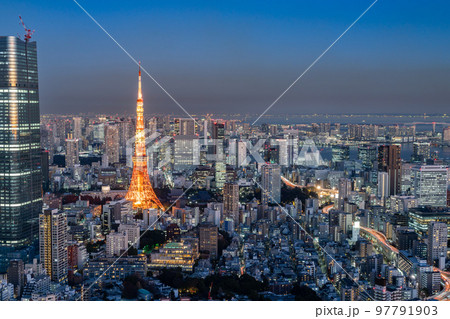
x=219 y=205
x=108 y=207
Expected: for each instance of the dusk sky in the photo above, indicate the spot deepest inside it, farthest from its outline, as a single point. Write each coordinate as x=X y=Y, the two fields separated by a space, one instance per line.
x=239 y=56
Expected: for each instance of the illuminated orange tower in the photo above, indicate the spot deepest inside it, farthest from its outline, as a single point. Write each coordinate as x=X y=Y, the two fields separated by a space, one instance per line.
x=141 y=192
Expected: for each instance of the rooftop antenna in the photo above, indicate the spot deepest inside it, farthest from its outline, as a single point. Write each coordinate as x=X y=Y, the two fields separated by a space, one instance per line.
x=28 y=32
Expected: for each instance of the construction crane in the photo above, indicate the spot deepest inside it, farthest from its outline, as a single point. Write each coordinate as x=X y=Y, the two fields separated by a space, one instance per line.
x=28 y=32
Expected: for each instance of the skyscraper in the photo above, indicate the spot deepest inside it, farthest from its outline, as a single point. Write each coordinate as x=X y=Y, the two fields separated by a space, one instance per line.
x=271 y=183
x=231 y=201
x=389 y=161
x=340 y=153
x=446 y=135
x=186 y=152
x=430 y=185
x=72 y=151
x=20 y=151
x=112 y=143
x=77 y=122
x=344 y=188
x=437 y=244
x=185 y=126
x=367 y=155
x=208 y=239
x=53 y=244
x=383 y=185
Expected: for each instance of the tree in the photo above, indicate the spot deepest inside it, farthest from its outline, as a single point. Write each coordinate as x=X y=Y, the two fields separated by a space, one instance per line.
x=131 y=286
x=132 y=251
x=151 y=238
x=289 y=194
x=304 y=293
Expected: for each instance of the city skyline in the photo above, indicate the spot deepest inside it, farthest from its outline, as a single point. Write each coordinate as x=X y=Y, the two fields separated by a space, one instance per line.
x=245 y=58
x=215 y=191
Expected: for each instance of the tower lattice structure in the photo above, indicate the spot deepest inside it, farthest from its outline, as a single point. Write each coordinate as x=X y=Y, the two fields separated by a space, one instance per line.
x=141 y=192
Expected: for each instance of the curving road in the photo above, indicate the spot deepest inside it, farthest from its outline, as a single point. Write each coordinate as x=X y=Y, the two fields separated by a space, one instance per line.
x=326 y=209
x=445 y=275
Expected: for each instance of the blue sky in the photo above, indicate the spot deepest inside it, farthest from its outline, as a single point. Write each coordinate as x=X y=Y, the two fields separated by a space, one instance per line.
x=238 y=56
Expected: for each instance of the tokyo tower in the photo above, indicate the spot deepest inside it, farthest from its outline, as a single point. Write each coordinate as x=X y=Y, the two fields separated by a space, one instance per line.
x=141 y=192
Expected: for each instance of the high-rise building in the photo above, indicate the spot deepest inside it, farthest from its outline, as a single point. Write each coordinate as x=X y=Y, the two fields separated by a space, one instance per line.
x=281 y=151
x=430 y=185
x=367 y=155
x=446 y=135
x=77 y=127
x=72 y=151
x=389 y=161
x=241 y=154
x=185 y=126
x=16 y=275
x=53 y=244
x=45 y=167
x=271 y=183
x=116 y=243
x=340 y=153
x=133 y=233
x=344 y=188
x=421 y=151
x=152 y=125
x=437 y=244
x=292 y=149
x=218 y=131
x=208 y=239
x=112 y=143
x=218 y=134
x=383 y=185
x=231 y=201
x=186 y=152
x=20 y=154
x=220 y=174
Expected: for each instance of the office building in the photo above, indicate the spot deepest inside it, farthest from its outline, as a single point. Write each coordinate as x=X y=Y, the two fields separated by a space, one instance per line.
x=367 y=155
x=419 y=219
x=208 y=237
x=104 y=268
x=186 y=152
x=16 y=275
x=133 y=233
x=430 y=185
x=20 y=154
x=437 y=244
x=383 y=185
x=174 y=255
x=340 y=153
x=231 y=201
x=389 y=161
x=446 y=135
x=344 y=188
x=421 y=151
x=185 y=126
x=112 y=143
x=270 y=183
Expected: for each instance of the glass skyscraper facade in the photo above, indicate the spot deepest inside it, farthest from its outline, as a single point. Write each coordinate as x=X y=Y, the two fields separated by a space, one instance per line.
x=20 y=152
